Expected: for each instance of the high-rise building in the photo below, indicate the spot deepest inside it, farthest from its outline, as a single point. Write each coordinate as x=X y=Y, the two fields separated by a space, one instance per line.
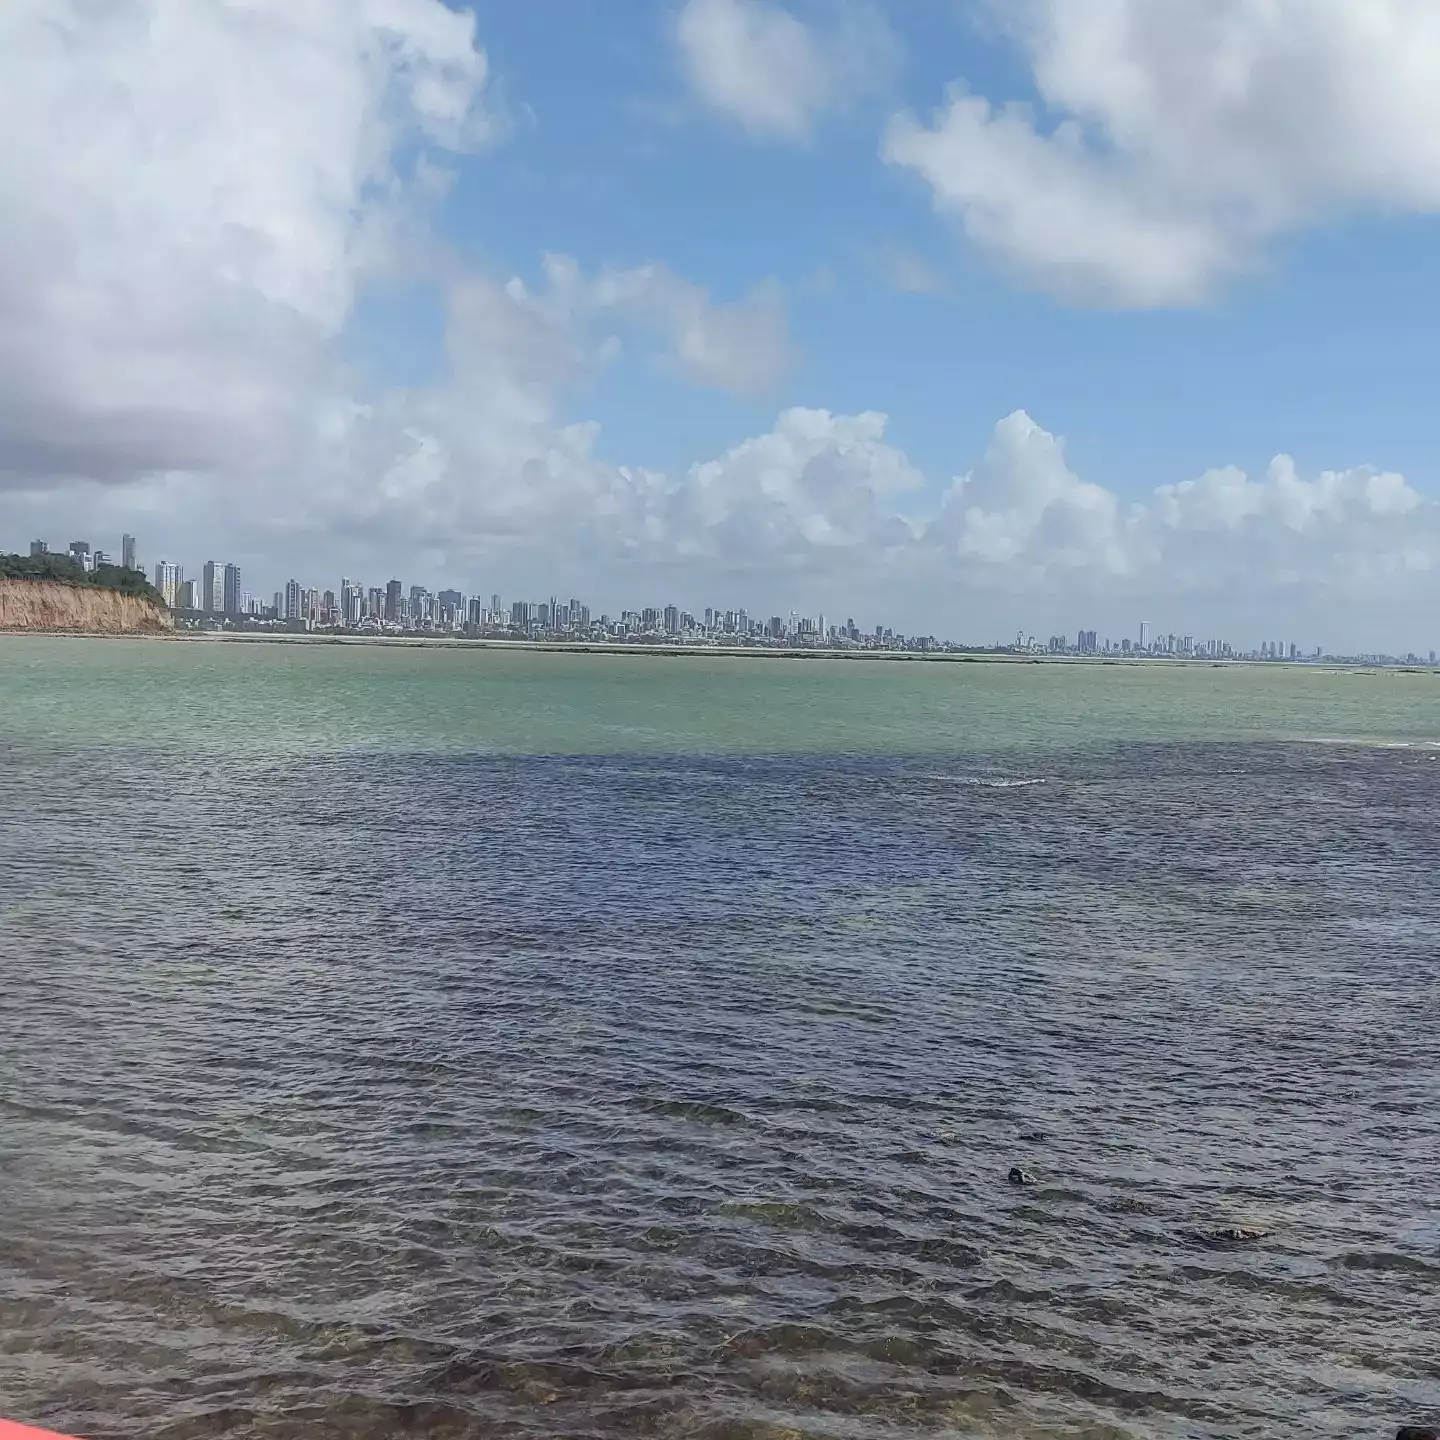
x=231 y=595
x=39 y=547
x=80 y=553
x=212 y=586
x=127 y=552
x=496 y=608
x=352 y=600
x=189 y=597
x=392 y=602
x=672 y=620
x=294 y=602
x=167 y=582
x=99 y=558
x=1144 y=634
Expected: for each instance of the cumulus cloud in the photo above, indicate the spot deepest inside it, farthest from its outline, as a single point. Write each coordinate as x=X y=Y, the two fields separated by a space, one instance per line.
x=773 y=74
x=1024 y=510
x=199 y=190
x=1178 y=136
x=1023 y=521
x=816 y=487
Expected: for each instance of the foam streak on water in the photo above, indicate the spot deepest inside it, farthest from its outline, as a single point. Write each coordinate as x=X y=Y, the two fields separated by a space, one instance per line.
x=591 y=1096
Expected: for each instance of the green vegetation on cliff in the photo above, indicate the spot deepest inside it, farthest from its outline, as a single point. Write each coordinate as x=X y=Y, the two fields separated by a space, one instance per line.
x=69 y=572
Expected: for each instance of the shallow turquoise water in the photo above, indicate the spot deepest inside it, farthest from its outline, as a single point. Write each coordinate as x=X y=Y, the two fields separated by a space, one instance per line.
x=294 y=699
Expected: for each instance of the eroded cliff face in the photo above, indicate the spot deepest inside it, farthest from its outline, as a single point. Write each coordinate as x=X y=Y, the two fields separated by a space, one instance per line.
x=50 y=605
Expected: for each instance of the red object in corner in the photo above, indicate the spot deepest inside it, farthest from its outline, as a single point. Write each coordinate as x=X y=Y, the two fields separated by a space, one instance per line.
x=27 y=1432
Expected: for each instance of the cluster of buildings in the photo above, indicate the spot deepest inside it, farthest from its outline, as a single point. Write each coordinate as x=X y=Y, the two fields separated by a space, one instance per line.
x=1165 y=647
x=214 y=599
x=397 y=609
x=88 y=559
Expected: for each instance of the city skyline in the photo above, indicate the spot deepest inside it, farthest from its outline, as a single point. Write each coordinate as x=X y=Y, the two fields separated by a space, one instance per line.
x=217 y=595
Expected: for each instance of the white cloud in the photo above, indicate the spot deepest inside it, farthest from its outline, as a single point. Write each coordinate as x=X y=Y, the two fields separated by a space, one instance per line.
x=1022 y=521
x=815 y=487
x=1178 y=136
x=770 y=72
x=192 y=192
x=743 y=347
x=1022 y=509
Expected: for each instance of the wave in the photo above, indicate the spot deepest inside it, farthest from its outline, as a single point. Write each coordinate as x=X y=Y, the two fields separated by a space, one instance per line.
x=989 y=782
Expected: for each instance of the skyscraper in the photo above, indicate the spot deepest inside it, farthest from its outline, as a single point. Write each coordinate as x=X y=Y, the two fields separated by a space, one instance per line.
x=231 y=596
x=167 y=582
x=1144 y=634
x=127 y=552
x=293 y=603
x=212 y=595
x=392 y=601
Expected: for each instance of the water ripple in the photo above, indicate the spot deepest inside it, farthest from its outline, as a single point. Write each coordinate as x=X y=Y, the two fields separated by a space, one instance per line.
x=602 y=1096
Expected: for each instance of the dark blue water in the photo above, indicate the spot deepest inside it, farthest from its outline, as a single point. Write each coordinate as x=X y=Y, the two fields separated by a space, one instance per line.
x=590 y=1097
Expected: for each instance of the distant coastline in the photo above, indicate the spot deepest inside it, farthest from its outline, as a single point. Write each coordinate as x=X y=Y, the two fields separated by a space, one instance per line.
x=733 y=652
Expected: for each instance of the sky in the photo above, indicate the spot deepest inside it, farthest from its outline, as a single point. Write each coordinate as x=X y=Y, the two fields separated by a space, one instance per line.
x=968 y=317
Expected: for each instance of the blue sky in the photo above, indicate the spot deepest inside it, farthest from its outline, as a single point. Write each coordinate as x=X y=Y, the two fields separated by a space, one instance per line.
x=1328 y=351
x=1207 y=239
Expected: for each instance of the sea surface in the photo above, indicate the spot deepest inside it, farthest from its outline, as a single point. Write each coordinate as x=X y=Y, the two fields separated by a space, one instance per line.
x=410 y=1042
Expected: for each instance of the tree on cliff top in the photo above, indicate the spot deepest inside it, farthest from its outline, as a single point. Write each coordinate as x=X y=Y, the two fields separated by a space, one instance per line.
x=65 y=571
